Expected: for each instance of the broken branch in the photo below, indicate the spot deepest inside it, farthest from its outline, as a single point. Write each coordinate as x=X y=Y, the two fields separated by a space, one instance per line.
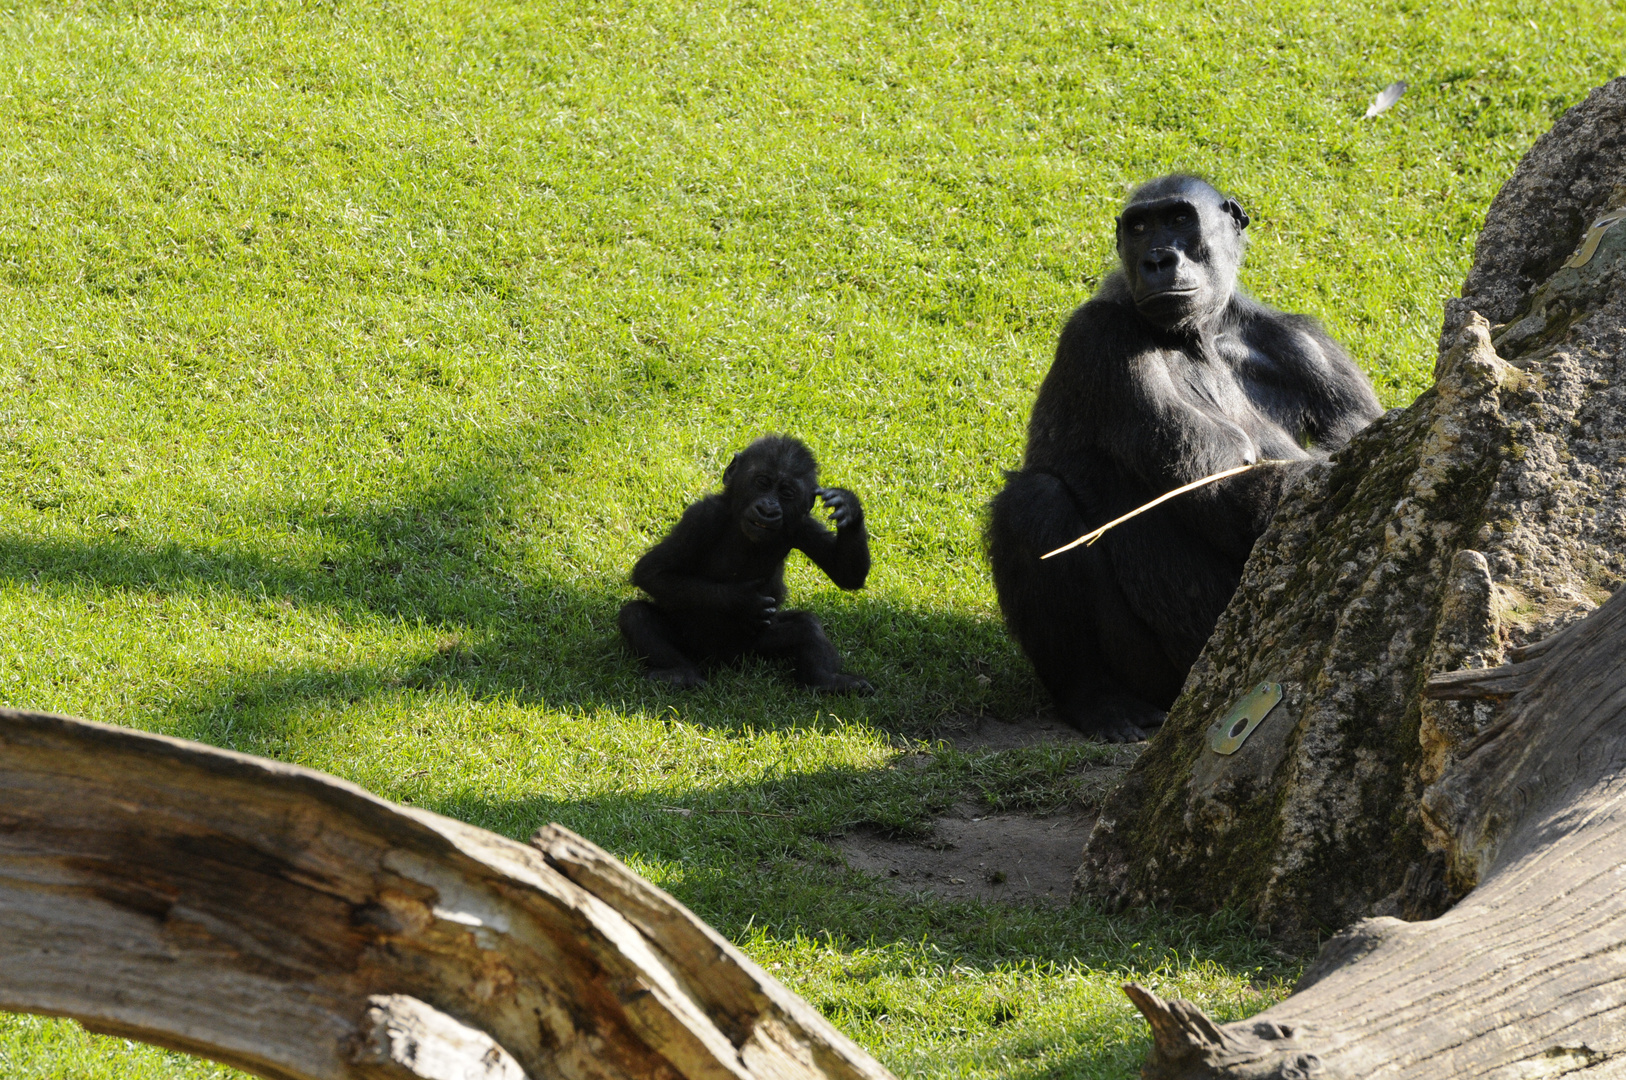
x=1091 y=537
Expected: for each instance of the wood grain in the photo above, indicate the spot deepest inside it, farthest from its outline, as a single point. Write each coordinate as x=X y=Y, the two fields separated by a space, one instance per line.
x=1526 y=976
x=296 y=926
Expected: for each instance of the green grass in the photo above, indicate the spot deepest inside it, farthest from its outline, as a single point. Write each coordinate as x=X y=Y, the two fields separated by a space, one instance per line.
x=350 y=354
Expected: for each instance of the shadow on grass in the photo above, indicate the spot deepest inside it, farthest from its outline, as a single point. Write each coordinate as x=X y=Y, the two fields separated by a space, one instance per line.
x=756 y=877
x=447 y=559
x=748 y=857
x=752 y=856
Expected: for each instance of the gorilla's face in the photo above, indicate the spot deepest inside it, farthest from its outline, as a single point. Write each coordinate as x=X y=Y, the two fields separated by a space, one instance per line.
x=1181 y=245
x=767 y=500
x=769 y=485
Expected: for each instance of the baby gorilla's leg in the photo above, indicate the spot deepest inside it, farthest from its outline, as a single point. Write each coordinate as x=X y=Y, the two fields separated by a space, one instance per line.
x=651 y=637
x=797 y=636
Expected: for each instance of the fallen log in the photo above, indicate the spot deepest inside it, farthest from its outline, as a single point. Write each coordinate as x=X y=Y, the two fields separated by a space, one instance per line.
x=293 y=925
x=1526 y=976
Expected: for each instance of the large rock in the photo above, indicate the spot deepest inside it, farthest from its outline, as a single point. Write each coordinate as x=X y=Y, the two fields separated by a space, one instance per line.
x=1488 y=514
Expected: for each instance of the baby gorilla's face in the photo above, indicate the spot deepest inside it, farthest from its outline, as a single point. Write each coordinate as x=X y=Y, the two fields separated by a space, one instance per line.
x=768 y=500
x=770 y=486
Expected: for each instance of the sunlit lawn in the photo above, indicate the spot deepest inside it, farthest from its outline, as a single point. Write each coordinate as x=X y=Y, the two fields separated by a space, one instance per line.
x=351 y=353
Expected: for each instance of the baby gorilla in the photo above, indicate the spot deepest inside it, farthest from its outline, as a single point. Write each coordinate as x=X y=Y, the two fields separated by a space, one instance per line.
x=718 y=578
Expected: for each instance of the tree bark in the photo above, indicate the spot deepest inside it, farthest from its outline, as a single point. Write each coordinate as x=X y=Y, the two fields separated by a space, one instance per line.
x=293 y=925
x=1489 y=514
x=1524 y=978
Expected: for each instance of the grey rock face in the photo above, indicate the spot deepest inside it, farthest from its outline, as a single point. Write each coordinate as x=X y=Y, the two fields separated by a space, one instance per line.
x=1488 y=514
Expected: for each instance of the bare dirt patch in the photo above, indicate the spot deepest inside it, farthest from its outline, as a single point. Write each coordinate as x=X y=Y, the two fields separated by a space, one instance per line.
x=976 y=855
x=973 y=733
x=971 y=856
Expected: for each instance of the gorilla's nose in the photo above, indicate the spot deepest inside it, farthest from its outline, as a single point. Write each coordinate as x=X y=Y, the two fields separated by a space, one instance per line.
x=1159 y=262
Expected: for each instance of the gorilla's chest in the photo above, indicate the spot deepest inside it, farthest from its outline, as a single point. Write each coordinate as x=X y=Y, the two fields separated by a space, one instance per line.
x=1236 y=382
x=737 y=560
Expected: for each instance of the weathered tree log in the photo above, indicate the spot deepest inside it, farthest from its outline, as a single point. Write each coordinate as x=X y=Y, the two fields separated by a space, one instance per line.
x=1498 y=683
x=1524 y=978
x=1482 y=684
x=1484 y=517
x=293 y=925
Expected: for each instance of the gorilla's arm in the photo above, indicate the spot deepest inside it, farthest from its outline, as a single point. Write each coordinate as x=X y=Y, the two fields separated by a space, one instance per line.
x=670 y=572
x=844 y=554
x=1229 y=514
x=1306 y=366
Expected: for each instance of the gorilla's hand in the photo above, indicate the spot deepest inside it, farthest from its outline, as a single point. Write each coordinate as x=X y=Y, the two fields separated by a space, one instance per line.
x=845 y=509
x=1116 y=718
x=755 y=605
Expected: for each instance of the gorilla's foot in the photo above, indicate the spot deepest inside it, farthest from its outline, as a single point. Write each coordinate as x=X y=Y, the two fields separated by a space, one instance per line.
x=840 y=683
x=1115 y=718
x=681 y=677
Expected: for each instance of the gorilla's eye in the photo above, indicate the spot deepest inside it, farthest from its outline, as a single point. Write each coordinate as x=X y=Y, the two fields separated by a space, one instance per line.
x=787 y=492
x=1181 y=219
x=763 y=483
x=1138 y=227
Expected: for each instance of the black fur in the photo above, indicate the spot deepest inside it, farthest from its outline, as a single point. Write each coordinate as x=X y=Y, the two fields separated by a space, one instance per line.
x=717 y=580
x=1168 y=374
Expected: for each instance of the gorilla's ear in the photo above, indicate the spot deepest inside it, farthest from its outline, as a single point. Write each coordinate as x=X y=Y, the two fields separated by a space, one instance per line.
x=1238 y=215
x=1118 y=230
x=728 y=473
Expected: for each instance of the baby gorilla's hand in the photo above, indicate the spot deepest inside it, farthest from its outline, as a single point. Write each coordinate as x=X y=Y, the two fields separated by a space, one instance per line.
x=756 y=605
x=843 y=505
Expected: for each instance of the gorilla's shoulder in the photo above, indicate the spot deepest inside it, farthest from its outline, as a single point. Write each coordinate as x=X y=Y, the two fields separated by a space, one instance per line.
x=1101 y=326
x=706 y=509
x=1251 y=313
x=1111 y=302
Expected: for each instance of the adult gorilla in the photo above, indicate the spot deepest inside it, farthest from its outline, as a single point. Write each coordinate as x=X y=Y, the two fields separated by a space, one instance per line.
x=1168 y=374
